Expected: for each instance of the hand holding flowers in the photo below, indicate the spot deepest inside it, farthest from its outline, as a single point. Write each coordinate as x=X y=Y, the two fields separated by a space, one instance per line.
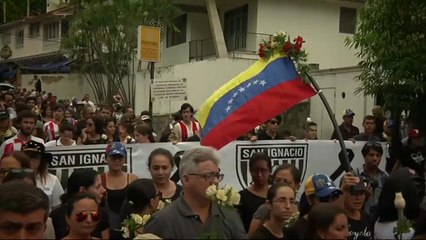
x=226 y=196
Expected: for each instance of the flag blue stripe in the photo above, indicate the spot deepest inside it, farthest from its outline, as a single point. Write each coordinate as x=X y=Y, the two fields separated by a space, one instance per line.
x=277 y=72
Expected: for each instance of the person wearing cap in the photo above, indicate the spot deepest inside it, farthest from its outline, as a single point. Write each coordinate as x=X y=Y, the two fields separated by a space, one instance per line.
x=361 y=223
x=369 y=134
x=347 y=128
x=375 y=177
x=319 y=188
x=187 y=127
x=46 y=181
x=26 y=121
x=6 y=129
x=116 y=181
x=413 y=155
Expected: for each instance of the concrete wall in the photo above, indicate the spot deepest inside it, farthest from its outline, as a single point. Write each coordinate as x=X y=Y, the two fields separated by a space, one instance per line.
x=339 y=87
x=203 y=78
x=64 y=86
x=316 y=21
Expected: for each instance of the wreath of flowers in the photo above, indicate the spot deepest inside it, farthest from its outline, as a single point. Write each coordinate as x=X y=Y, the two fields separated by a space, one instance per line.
x=280 y=43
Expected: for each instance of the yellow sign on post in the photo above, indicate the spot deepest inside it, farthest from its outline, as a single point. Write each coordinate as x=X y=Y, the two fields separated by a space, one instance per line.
x=149 y=44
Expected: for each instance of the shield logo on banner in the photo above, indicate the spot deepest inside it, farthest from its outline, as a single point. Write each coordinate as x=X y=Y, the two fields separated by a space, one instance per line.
x=292 y=153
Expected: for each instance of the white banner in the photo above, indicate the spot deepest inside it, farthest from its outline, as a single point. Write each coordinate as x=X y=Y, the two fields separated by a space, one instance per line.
x=310 y=157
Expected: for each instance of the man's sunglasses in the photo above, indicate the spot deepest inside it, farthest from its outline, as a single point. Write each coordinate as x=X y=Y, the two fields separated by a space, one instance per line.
x=330 y=198
x=274 y=122
x=94 y=215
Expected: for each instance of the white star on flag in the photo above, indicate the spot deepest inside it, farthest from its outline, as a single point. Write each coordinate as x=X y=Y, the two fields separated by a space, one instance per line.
x=241 y=89
x=263 y=83
x=249 y=84
x=230 y=101
x=255 y=82
x=235 y=94
x=228 y=108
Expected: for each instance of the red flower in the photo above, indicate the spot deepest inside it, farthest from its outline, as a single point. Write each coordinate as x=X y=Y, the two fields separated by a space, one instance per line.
x=298 y=43
x=287 y=47
x=262 y=49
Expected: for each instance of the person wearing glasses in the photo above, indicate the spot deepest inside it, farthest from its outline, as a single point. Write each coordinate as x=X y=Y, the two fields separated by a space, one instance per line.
x=82 y=216
x=193 y=215
x=319 y=188
x=116 y=181
x=281 y=201
x=46 y=181
x=26 y=217
x=13 y=160
x=93 y=133
x=260 y=166
x=271 y=131
x=81 y=181
x=374 y=176
x=142 y=198
x=284 y=173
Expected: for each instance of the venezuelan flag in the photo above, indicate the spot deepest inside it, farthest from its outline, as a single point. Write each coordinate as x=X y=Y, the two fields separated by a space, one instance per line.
x=266 y=89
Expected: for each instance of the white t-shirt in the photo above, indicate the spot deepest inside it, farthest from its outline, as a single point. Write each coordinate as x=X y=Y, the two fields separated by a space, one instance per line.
x=58 y=143
x=384 y=230
x=52 y=187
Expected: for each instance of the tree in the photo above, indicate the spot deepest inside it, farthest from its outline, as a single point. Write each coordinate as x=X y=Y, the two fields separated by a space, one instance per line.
x=17 y=9
x=103 y=38
x=391 y=42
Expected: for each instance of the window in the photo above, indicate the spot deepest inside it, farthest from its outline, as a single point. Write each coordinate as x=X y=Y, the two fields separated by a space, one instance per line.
x=173 y=37
x=34 y=30
x=64 y=28
x=235 y=28
x=347 y=20
x=51 y=30
x=19 y=39
x=5 y=38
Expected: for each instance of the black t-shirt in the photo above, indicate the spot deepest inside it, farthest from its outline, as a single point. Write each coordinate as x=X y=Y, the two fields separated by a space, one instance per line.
x=346 y=134
x=262 y=135
x=249 y=203
x=299 y=230
x=362 y=229
x=414 y=159
x=264 y=233
x=61 y=227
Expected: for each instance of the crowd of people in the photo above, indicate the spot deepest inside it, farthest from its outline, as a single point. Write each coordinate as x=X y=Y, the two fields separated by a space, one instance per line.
x=34 y=204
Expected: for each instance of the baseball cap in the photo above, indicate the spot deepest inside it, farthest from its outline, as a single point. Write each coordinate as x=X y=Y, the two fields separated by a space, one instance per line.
x=145 y=117
x=360 y=186
x=33 y=147
x=116 y=148
x=321 y=185
x=348 y=112
x=4 y=115
x=414 y=133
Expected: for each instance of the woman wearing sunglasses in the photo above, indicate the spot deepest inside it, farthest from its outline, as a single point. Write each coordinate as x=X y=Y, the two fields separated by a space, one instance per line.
x=82 y=216
x=81 y=181
x=93 y=133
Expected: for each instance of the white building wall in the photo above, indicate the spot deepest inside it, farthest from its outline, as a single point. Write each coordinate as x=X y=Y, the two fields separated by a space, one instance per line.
x=203 y=78
x=316 y=21
x=339 y=87
x=65 y=86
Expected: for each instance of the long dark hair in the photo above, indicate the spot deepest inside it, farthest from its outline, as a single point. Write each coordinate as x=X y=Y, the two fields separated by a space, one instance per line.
x=138 y=197
x=321 y=217
x=145 y=130
x=77 y=197
x=80 y=178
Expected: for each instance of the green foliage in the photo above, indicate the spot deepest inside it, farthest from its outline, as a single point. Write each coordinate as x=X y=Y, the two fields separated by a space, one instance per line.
x=391 y=41
x=103 y=37
x=17 y=9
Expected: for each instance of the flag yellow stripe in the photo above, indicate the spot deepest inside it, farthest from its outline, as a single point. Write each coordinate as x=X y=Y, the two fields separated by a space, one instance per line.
x=252 y=71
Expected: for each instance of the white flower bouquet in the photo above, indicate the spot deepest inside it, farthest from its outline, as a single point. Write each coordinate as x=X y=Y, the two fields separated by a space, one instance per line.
x=163 y=203
x=226 y=196
x=133 y=223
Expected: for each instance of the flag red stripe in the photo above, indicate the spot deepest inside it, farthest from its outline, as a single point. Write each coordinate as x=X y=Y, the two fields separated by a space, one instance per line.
x=259 y=109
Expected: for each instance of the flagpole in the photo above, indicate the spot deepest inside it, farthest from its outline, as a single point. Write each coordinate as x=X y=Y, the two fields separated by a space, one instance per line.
x=345 y=161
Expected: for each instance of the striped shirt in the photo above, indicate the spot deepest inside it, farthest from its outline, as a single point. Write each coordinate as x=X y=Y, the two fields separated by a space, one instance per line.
x=15 y=144
x=51 y=128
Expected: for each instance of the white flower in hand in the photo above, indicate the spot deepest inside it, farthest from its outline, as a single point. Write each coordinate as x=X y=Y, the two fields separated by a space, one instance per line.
x=221 y=195
x=211 y=190
x=137 y=218
x=399 y=201
x=126 y=233
x=235 y=198
x=145 y=219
